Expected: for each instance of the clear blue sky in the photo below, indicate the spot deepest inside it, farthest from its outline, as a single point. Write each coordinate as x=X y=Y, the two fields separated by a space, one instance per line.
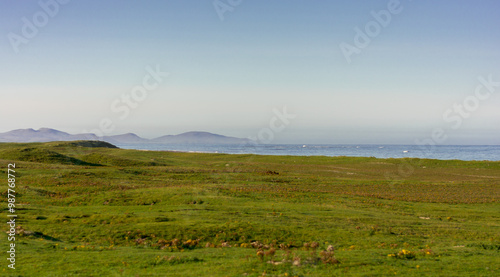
x=227 y=76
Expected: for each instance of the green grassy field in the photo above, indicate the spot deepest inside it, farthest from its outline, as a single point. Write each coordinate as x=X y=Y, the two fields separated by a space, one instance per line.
x=86 y=210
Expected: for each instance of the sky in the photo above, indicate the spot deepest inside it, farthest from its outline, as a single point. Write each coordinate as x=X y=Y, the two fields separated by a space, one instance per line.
x=333 y=72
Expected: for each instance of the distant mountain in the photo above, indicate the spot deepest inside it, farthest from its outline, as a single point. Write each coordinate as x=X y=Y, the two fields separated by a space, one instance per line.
x=128 y=138
x=46 y=134
x=199 y=138
x=42 y=135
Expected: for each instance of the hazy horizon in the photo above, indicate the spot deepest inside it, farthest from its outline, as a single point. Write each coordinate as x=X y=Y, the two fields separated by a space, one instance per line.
x=364 y=72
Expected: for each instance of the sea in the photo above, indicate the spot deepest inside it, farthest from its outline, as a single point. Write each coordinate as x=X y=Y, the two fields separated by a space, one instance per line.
x=441 y=152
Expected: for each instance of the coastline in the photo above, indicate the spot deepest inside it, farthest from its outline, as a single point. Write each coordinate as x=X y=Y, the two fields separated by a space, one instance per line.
x=441 y=152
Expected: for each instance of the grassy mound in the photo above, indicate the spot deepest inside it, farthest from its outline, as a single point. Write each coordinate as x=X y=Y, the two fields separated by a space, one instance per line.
x=86 y=143
x=105 y=159
x=40 y=155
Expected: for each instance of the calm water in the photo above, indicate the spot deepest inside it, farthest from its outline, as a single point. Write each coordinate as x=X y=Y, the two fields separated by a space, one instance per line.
x=442 y=152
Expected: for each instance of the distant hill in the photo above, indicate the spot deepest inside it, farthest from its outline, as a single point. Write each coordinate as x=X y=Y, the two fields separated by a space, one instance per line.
x=125 y=139
x=47 y=134
x=199 y=138
x=42 y=135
